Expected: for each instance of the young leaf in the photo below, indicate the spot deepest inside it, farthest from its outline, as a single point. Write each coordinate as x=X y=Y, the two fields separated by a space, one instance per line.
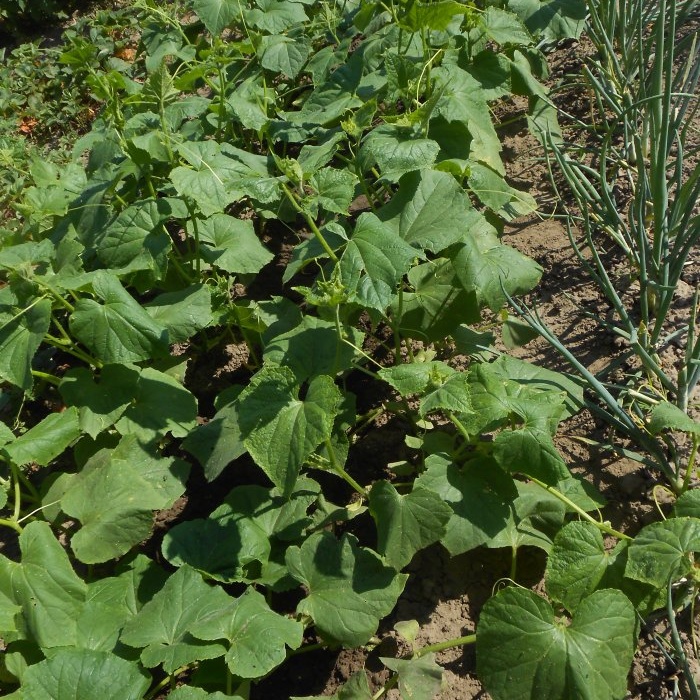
x=349 y=588
x=281 y=431
x=666 y=416
x=258 y=637
x=119 y=330
x=659 y=553
x=524 y=652
x=408 y=523
x=162 y=627
x=81 y=674
x=419 y=679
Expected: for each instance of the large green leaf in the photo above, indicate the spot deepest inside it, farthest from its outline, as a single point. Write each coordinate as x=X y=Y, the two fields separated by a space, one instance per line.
x=283 y=54
x=397 y=151
x=217 y=443
x=217 y=14
x=190 y=692
x=219 y=175
x=576 y=563
x=433 y=15
x=235 y=542
x=437 y=304
x=667 y=416
x=406 y=524
x=46 y=440
x=257 y=635
x=183 y=312
x=382 y=255
x=334 y=190
x=281 y=431
x=494 y=192
x=313 y=348
x=524 y=652
x=118 y=330
x=462 y=100
x=430 y=210
x=660 y=552
x=491 y=269
x=162 y=627
x=114 y=497
x=479 y=495
x=504 y=27
x=230 y=244
x=160 y=405
x=81 y=674
x=100 y=402
x=21 y=333
x=531 y=451
x=274 y=16
x=553 y=19
x=46 y=588
x=535 y=516
x=349 y=588
x=134 y=240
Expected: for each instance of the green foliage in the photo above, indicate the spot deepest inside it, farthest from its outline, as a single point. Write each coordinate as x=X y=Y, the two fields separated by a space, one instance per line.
x=318 y=187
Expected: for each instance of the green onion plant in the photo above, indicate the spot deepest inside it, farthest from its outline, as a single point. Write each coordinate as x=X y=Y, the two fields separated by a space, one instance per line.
x=636 y=188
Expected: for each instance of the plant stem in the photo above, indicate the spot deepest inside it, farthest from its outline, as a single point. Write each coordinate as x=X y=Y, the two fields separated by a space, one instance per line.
x=603 y=527
x=306 y=648
x=448 y=644
x=164 y=683
x=310 y=222
x=337 y=469
x=50 y=378
x=678 y=644
x=7 y=522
